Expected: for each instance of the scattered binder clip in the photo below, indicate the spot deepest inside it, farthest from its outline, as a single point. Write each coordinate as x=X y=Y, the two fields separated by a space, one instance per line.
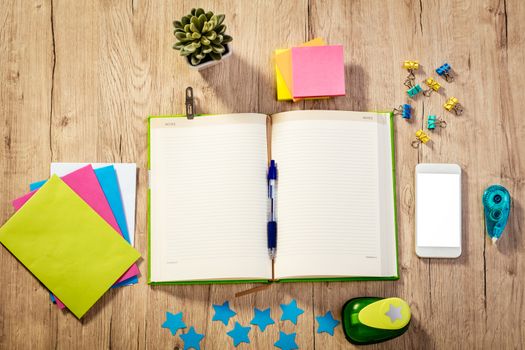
x=411 y=67
x=453 y=105
x=421 y=137
x=404 y=110
x=444 y=72
x=190 y=103
x=414 y=91
x=433 y=86
x=432 y=121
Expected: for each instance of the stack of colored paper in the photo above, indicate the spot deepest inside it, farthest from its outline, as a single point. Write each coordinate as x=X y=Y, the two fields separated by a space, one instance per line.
x=72 y=234
x=312 y=70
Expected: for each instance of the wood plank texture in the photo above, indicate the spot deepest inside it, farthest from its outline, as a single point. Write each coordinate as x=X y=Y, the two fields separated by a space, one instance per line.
x=78 y=79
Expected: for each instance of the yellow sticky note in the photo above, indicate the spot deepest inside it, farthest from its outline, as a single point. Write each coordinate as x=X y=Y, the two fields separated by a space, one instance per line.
x=283 y=70
x=75 y=253
x=283 y=93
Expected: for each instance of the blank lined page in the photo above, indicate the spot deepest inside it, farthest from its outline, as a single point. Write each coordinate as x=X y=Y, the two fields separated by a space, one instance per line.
x=329 y=210
x=208 y=198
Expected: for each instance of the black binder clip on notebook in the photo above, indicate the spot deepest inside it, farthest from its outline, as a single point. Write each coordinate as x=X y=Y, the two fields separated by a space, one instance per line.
x=190 y=103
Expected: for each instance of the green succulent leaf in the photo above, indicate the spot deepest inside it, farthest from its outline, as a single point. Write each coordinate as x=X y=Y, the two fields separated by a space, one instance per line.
x=192 y=47
x=226 y=39
x=213 y=21
x=215 y=56
x=180 y=35
x=206 y=49
x=205 y=41
x=178 y=24
x=184 y=52
x=201 y=20
x=220 y=29
x=187 y=28
x=209 y=15
x=218 y=48
x=178 y=45
x=199 y=12
x=185 y=20
x=211 y=35
x=194 y=60
x=193 y=27
x=220 y=19
x=193 y=10
x=207 y=27
x=196 y=35
x=218 y=39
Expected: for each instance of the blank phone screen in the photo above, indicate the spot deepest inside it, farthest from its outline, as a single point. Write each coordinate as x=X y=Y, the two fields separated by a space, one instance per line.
x=438 y=200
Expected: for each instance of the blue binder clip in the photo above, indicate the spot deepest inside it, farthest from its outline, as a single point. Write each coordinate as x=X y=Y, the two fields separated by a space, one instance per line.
x=413 y=91
x=432 y=121
x=404 y=110
x=496 y=201
x=444 y=72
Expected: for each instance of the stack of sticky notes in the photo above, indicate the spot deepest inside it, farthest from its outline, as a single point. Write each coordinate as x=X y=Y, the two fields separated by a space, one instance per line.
x=312 y=70
x=74 y=232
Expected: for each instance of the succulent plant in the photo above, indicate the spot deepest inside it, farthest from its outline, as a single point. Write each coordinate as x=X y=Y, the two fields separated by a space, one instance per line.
x=201 y=34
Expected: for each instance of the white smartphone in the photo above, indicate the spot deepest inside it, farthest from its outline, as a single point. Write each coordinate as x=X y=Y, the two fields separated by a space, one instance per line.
x=438 y=210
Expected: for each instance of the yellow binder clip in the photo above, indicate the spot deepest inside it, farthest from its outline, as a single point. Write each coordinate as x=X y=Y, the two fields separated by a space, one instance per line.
x=421 y=137
x=453 y=105
x=433 y=86
x=410 y=66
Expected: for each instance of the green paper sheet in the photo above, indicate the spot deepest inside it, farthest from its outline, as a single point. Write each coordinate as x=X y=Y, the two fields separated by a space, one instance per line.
x=67 y=246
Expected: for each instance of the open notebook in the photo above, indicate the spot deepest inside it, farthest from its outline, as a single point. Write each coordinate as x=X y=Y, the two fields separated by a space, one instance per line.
x=335 y=197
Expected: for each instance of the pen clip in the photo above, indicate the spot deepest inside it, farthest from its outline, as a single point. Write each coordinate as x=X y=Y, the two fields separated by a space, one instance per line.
x=190 y=103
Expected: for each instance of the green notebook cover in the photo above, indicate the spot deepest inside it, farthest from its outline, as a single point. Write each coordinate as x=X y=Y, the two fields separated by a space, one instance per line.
x=285 y=280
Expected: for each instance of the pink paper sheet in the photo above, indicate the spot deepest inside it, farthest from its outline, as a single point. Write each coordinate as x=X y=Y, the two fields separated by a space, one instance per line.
x=318 y=71
x=85 y=183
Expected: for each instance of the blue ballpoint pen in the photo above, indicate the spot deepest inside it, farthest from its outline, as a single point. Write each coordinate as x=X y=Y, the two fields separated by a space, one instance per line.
x=272 y=223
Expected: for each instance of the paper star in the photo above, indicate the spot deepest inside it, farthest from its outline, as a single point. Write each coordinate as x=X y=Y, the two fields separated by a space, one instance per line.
x=262 y=318
x=291 y=311
x=327 y=323
x=173 y=322
x=223 y=313
x=286 y=341
x=239 y=334
x=191 y=339
x=394 y=313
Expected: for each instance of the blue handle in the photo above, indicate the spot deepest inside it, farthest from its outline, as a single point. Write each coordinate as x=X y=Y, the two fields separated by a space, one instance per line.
x=272 y=234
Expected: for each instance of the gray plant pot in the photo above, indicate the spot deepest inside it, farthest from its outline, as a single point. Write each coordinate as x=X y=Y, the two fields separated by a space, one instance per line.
x=209 y=62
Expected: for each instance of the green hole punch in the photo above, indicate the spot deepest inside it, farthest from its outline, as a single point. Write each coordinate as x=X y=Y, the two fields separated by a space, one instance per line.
x=369 y=320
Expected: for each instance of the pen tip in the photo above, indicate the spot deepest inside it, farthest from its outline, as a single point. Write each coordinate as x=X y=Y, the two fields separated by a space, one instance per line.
x=494 y=240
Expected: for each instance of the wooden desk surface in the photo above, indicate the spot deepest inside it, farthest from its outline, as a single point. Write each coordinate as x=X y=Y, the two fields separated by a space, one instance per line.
x=78 y=79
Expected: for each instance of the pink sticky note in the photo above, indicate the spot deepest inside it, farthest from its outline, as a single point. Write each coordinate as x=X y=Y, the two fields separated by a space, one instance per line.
x=84 y=182
x=318 y=71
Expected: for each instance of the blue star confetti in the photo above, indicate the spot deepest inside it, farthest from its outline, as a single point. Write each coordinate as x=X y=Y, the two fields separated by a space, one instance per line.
x=327 y=323
x=291 y=311
x=286 y=341
x=223 y=313
x=239 y=334
x=262 y=318
x=192 y=339
x=174 y=322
